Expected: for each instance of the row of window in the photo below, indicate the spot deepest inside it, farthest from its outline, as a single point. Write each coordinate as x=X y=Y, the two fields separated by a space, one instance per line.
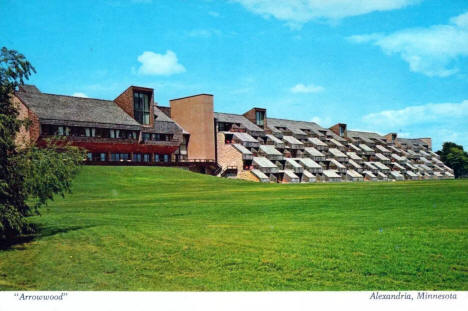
x=87 y=132
x=157 y=137
x=101 y=133
x=137 y=157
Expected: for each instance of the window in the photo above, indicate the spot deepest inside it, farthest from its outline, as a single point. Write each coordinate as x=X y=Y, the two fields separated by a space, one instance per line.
x=48 y=129
x=341 y=131
x=146 y=157
x=166 y=158
x=89 y=156
x=141 y=107
x=137 y=157
x=115 y=134
x=224 y=127
x=260 y=117
x=90 y=132
x=146 y=136
x=102 y=157
x=156 y=158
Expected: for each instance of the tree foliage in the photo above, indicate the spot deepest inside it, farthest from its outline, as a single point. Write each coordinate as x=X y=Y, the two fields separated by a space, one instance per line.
x=29 y=176
x=455 y=157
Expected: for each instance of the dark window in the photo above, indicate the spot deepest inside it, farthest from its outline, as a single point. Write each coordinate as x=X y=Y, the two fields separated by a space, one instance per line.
x=224 y=127
x=260 y=117
x=49 y=129
x=141 y=107
x=146 y=136
x=137 y=157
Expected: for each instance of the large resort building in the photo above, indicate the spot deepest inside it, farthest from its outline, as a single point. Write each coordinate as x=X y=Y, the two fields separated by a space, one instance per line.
x=133 y=130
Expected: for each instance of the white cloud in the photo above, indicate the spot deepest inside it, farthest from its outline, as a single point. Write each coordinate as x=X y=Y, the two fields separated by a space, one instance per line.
x=214 y=13
x=79 y=94
x=430 y=51
x=298 y=12
x=443 y=122
x=302 y=88
x=204 y=33
x=159 y=64
x=418 y=114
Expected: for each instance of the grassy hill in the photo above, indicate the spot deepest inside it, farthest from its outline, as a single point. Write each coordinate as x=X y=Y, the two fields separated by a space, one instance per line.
x=149 y=228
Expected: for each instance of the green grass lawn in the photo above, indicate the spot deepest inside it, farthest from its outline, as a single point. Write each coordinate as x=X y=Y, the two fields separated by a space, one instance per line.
x=149 y=228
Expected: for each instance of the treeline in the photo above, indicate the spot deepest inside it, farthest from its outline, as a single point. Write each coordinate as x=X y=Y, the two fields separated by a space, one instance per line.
x=455 y=157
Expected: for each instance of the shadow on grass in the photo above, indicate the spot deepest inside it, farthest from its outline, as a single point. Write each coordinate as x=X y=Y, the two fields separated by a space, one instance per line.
x=39 y=232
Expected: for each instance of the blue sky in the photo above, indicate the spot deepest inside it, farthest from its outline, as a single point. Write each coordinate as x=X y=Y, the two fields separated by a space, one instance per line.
x=381 y=65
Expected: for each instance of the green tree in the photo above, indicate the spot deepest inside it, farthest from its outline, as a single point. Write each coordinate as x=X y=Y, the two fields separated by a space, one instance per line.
x=455 y=157
x=29 y=176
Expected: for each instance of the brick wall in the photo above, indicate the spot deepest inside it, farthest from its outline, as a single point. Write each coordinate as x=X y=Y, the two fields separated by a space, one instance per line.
x=336 y=129
x=252 y=117
x=125 y=101
x=35 y=127
x=228 y=155
x=247 y=175
x=26 y=136
x=195 y=115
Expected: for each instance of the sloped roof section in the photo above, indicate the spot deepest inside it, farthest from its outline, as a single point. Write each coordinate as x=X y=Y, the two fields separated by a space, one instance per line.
x=381 y=166
x=353 y=156
x=274 y=139
x=316 y=141
x=331 y=174
x=242 y=149
x=382 y=149
x=365 y=148
x=76 y=109
x=308 y=162
x=365 y=135
x=290 y=174
x=354 y=164
x=244 y=137
x=337 y=153
x=382 y=157
x=236 y=118
x=292 y=140
x=270 y=150
x=353 y=174
x=264 y=162
x=313 y=152
x=260 y=175
x=293 y=162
